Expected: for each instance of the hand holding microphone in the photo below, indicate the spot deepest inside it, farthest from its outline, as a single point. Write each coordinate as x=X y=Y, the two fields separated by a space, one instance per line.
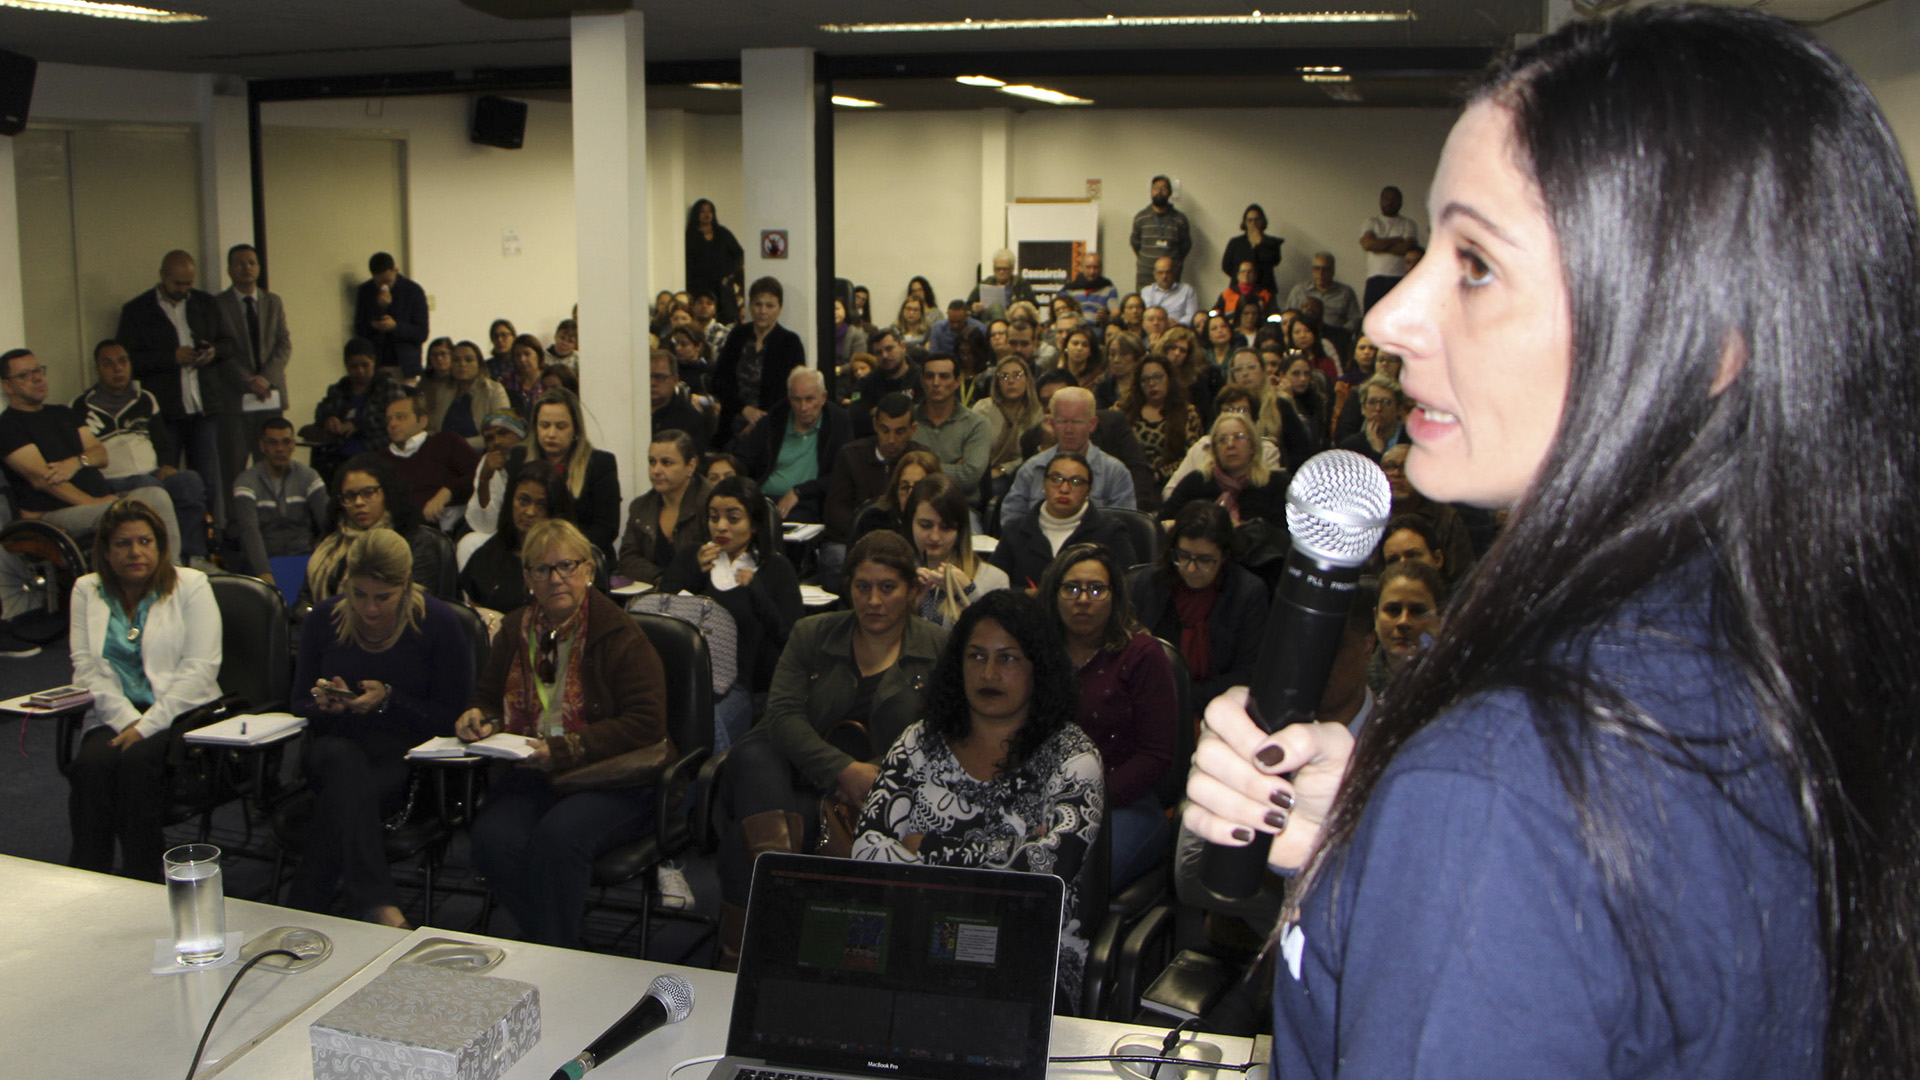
x=669 y=1000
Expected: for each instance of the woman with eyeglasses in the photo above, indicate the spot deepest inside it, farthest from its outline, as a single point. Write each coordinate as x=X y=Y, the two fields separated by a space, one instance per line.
x=1383 y=405
x=493 y=577
x=740 y=566
x=1128 y=701
x=369 y=494
x=574 y=674
x=501 y=335
x=145 y=639
x=1162 y=419
x=1199 y=456
x=1066 y=516
x=1012 y=410
x=847 y=684
x=994 y=774
x=381 y=668
x=1200 y=598
x=1240 y=481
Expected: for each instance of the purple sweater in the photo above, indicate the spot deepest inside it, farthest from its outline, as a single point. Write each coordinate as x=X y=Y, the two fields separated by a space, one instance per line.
x=1128 y=707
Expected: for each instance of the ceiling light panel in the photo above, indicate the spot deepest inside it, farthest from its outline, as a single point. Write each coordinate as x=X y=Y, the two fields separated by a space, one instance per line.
x=131 y=12
x=1301 y=18
x=1041 y=93
x=854 y=103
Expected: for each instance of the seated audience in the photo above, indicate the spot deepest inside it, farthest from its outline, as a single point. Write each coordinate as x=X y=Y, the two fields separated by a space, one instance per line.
x=1162 y=419
x=593 y=476
x=945 y=337
x=501 y=335
x=462 y=401
x=1082 y=358
x=860 y=475
x=888 y=510
x=565 y=350
x=491 y=577
x=522 y=379
x=960 y=438
x=352 y=418
x=1451 y=547
x=672 y=411
x=1384 y=408
x=380 y=669
x=847 y=338
x=141 y=451
x=741 y=568
x=559 y=377
x=368 y=494
x=1097 y=296
x=1073 y=420
x=913 y=323
x=574 y=674
x=1200 y=598
x=719 y=465
x=52 y=461
x=1181 y=348
x=145 y=638
x=896 y=369
x=1245 y=288
x=1199 y=456
x=990 y=299
x=1299 y=389
x=669 y=513
x=790 y=454
x=1240 y=480
x=996 y=774
x=750 y=376
x=279 y=507
x=502 y=431
x=1028 y=544
x=1347 y=418
x=1128 y=699
x=1405 y=618
x=1012 y=408
x=1221 y=341
x=437 y=467
x=952 y=574
x=1123 y=355
x=848 y=683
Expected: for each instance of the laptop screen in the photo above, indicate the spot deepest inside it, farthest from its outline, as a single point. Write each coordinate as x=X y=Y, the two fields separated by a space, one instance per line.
x=891 y=970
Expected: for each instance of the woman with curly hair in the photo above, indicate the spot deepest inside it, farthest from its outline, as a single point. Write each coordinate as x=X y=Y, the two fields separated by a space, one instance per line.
x=1164 y=422
x=995 y=775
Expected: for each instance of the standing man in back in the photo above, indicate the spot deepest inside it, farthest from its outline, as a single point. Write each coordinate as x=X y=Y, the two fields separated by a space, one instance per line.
x=1386 y=240
x=179 y=347
x=257 y=322
x=1159 y=232
x=391 y=311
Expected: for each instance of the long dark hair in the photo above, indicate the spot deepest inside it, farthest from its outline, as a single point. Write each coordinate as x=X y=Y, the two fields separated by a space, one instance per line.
x=693 y=214
x=1198 y=520
x=400 y=509
x=124 y=511
x=743 y=489
x=553 y=486
x=1176 y=417
x=1056 y=691
x=1122 y=623
x=1688 y=158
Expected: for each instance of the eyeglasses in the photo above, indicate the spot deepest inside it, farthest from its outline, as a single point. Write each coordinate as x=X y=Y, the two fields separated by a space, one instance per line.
x=1376 y=403
x=1013 y=376
x=364 y=494
x=1058 y=480
x=1194 y=559
x=28 y=373
x=563 y=569
x=1231 y=438
x=1154 y=379
x=1092 y=590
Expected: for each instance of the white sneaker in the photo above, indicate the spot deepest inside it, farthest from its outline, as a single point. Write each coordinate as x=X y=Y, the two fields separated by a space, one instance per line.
x=675 y=893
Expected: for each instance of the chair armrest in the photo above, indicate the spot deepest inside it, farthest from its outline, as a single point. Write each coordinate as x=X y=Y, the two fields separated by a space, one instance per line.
x=1156 y=925
x=1094 y=981
x=705 y=835
x=671 y=791
x=66 y=729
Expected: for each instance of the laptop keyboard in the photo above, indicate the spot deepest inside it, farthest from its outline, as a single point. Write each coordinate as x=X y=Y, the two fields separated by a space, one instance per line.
x=776 y=1074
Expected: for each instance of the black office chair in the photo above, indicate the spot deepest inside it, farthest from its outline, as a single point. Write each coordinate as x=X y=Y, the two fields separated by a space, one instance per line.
x=683 y=654
x=1143 y=531
x=447 y=587
x=38 y=565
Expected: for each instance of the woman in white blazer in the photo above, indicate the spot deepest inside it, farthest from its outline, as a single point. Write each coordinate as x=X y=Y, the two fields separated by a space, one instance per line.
x=145 y=636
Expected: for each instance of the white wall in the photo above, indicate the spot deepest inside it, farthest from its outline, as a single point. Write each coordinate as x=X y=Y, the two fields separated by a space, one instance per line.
x=461 y=197
x=1882 y=43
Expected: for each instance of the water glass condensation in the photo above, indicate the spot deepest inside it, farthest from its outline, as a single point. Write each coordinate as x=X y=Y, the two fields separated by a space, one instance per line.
x=198 y=902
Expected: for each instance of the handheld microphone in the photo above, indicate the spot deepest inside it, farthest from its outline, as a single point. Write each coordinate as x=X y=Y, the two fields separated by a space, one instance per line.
x=1337 y=508
x=669 y=1000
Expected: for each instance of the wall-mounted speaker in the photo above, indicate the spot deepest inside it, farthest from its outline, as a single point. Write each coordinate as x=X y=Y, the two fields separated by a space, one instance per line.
x=16 y=91
x=497 y=121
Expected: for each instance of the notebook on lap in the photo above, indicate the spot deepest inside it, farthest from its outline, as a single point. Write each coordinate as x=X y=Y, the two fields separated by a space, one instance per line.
x=859 y=969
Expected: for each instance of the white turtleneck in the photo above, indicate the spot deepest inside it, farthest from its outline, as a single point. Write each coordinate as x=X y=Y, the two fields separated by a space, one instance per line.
x=1058 y=530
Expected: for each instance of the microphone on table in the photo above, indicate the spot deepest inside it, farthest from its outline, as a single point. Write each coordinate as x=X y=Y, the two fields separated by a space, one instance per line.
x=669 y=1000
x=1337 y=509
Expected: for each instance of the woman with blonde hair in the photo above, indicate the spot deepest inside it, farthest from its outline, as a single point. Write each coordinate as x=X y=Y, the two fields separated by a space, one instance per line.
x=1239 y=480
x=145 y=639
x=1011 y=411
x=913 y=324
x=381 y=667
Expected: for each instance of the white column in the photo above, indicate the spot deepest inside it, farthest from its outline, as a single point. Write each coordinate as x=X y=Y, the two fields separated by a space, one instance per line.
x=610 y=216
x=776 y=165
x=226 y=174
x=996 y=182
x=667 y=178
x=13 y=312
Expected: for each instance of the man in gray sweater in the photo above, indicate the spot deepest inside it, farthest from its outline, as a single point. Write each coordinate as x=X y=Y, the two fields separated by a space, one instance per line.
x=279 y=505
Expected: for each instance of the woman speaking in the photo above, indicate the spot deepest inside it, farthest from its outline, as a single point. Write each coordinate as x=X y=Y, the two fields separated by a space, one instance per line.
x=1647 y=805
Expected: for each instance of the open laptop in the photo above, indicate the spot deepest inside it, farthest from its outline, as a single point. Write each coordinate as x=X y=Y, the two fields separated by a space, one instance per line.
x=859 y=969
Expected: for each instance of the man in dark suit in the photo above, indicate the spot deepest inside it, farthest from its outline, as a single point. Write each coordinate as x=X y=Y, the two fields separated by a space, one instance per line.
x=391 y=312
x=257 y=322
x=180 y=350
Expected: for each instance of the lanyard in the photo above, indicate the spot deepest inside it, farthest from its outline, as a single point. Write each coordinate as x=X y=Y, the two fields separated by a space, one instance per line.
x=533 y=669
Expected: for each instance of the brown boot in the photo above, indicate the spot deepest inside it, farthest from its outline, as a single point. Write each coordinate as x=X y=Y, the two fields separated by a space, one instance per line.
x=733 y=928
x=771 y=830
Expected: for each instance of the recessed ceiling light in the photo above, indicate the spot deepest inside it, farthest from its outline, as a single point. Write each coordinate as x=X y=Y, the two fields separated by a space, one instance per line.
x=104 y=10
x=1297 y=18
x=696 y=86
x=1041 y=93
x=978 y=80
x=1326 y=78
x=1328 y=69
x=854 y=102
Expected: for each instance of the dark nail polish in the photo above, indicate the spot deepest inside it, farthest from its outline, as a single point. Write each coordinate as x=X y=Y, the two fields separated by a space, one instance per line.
x=1270 y=756
x=1245 y=836
x=1282 y=799
x=1277 y=818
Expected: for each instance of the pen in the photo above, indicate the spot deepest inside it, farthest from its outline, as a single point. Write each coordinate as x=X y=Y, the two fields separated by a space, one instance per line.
x=243 y=727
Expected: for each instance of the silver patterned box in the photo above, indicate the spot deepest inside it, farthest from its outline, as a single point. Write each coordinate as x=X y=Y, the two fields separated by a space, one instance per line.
x=415 y=1022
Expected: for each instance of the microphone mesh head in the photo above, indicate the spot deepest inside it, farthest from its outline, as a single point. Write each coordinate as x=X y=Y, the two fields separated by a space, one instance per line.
x=675 y=993
x=1337 y=507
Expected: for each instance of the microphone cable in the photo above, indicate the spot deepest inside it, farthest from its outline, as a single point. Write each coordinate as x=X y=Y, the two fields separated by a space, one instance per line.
x=194 y=1066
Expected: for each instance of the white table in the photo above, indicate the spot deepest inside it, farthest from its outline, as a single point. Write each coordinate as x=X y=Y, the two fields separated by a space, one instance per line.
x=80 y=1000
x=583 y=993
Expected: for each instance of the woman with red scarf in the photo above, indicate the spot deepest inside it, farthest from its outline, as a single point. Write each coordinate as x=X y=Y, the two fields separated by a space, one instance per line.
x=1240 y=481
x=1201 y=599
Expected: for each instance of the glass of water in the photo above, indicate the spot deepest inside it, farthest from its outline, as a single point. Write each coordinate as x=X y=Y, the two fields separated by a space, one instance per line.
x=198 y=903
